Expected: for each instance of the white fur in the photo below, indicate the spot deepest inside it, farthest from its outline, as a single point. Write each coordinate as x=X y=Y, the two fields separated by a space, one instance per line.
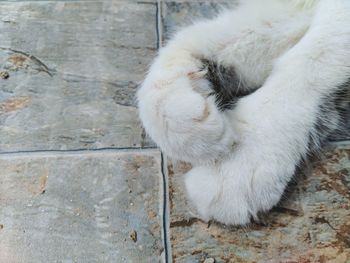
x=298 y=51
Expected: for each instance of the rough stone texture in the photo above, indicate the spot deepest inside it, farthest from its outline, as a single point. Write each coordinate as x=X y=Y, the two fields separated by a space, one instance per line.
x=177 y=14
x=73 y=71
x=68 y=75
x=312 y=224
x=81 y=207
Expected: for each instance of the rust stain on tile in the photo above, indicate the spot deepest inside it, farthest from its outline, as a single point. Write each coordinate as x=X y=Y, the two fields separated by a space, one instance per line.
x=15 y=103
x=184 y=168
x=343 y=235
x=171 y=188
x=19 y=60
x=38 y=185
x=136 y=163
x=133 y=236
x=43 y=182
x=334 y=179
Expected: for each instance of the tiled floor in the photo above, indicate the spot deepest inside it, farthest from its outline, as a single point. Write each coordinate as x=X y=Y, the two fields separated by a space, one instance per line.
x=80 y=181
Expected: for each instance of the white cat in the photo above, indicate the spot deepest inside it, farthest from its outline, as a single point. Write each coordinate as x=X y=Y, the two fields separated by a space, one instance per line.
x=294 y=59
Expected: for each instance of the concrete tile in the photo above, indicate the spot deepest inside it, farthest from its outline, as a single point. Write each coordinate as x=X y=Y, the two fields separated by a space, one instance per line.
x=177 y=14
x=310 y=225
x=73 y=70
x=83 y=207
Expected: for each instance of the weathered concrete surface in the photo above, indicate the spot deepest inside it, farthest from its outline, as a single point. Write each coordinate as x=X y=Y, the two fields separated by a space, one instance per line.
x=68 y=75
x=312 y=224
x=73 y=69
x=81 y=207
x=177 y=14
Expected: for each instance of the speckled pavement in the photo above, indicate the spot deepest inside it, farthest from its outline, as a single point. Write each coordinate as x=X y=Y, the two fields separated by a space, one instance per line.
x=81 y=182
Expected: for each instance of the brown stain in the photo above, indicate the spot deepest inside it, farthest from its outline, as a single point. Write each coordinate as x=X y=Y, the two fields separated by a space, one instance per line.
x=343 y=235
x=39 y=187
x=171 y=188
x=232 y=258
x=43 y=182
x=288 y=211
x=177 y=169
x=204 y=116
x=133 y=236
x=140 y=160
x=155 y=229
x=196 y=252
x=151 y=214
x=197 y=75
x=137 y=162
x=322 y=220
x=234 y=235
x=185 y=222
x=15 y=103
x=19 y=60
x=335 y=181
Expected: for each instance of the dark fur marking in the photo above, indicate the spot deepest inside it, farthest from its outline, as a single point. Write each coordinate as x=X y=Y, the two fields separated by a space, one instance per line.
x=227 y=86
x=334 y=113
x=332 y=119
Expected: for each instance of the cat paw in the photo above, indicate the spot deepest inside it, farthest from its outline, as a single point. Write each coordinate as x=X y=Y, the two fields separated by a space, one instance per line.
x=212 y=200
x=234 y=191
x=181 y=118
x=202 y=187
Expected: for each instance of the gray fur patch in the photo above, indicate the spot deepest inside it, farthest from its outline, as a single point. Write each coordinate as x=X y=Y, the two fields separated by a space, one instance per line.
x=227 y=86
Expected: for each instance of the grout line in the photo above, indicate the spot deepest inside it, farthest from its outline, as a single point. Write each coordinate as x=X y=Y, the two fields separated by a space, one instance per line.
x=159 y=24
x=166 y=212
x=82 y=150
x=165 y=215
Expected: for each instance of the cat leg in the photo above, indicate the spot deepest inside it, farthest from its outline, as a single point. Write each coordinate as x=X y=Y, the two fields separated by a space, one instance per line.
x=276 y=121
x=205 y=188
x=174 y=103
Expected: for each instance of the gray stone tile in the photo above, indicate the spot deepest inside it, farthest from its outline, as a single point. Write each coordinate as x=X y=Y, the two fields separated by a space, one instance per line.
x=81 y=207
x=73 y=71
x=312 y=223
x=177 y=14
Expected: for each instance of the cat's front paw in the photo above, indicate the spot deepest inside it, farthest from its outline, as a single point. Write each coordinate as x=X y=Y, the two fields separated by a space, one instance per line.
x=237 y=189
x=213 y=200
x=181 y=117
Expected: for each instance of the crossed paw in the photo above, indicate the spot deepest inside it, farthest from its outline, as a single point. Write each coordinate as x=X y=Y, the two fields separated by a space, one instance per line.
x=179 y=114
x=228 y=184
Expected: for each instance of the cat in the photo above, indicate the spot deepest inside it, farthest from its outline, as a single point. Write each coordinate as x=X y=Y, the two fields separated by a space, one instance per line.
x=246 y=96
